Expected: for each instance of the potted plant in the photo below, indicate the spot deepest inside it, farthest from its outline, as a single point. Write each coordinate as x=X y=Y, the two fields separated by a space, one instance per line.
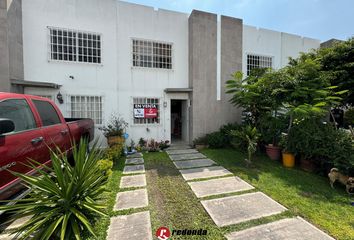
x=114 y=130
x=287 y=156
x=271 y=128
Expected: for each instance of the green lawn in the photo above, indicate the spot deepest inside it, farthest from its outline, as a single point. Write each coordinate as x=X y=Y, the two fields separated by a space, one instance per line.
x=174 y=205
x=304 y=194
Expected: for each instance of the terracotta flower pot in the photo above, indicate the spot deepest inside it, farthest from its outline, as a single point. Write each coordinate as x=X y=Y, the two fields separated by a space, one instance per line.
x=288 y=160
x=307 y=165
x=273 y=152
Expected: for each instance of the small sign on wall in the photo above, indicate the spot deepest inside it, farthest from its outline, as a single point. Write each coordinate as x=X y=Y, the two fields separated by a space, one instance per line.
x=145 y=111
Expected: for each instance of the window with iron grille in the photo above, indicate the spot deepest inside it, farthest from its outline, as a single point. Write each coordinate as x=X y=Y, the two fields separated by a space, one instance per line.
x=152 y=54
x=74 y=46
x=147 y=101
x=86 y=107
x=257 y=61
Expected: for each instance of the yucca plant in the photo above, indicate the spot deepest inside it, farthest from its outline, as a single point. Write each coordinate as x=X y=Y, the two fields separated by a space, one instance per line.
x=64 y=199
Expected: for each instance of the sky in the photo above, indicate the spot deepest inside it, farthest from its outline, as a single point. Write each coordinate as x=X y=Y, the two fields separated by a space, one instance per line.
x=319 y=19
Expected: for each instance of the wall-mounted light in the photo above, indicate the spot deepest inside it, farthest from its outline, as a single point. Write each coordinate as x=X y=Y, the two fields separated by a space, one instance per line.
x=164 y=104
x=60 y=98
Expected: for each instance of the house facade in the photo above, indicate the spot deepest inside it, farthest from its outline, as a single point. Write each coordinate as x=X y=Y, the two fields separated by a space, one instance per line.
x=164 y=72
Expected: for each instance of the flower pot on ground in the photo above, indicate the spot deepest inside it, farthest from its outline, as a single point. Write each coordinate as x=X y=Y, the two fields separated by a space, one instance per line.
x=307 y=165
x=114 y=130
x=288 y=159
x=273 y=152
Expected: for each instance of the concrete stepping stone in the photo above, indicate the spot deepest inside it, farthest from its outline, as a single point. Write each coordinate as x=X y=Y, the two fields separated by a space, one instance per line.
x=133 y=181
x=179 y=147
x=133 y=226
x=134 y=161
x=181 y=151
x=219 y=186
x=131 y=199
x=135 y=155
x=236 y=209
x=193 y=163
x=187 y=156
x=130 y=169
x=204 y=172
x=18 y=223
x=289 y=228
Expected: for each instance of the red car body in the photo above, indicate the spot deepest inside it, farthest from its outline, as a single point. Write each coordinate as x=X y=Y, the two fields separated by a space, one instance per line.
x=39 y=127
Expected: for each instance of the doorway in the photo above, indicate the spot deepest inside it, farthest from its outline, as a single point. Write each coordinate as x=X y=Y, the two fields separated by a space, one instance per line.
x=179 y=120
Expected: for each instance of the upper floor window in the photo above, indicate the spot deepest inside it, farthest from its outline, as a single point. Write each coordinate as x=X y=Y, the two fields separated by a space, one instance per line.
x=74 y=46
x=257 y=61
x=152 y=54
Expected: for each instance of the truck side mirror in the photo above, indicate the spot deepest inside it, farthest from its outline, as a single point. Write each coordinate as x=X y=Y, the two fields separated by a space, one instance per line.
x=6 y=125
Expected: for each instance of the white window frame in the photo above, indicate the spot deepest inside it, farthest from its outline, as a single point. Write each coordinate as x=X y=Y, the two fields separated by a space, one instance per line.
x=49 y=49
x=145 y=120
x=152 y=63
x=263 y=59
x=98 y=121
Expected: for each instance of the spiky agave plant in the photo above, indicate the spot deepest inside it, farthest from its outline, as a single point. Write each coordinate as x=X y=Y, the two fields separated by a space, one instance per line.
x=64 y=199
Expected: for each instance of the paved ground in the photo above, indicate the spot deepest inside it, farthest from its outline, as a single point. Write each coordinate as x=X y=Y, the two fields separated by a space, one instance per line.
x=133 y=226
x=194 y=163
x=204 y=172
x=135 y=155
x=285 y=229
x=132 y=169
x=181 y=151
x=136 y=225
x=219 y=186
x=187 y=156
x=133 y=181
x=241 y=208
x=131 y=199
x=226 y=211
x=134 y=161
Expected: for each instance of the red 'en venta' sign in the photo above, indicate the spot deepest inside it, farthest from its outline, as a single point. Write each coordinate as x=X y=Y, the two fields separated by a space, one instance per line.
x=150 y=112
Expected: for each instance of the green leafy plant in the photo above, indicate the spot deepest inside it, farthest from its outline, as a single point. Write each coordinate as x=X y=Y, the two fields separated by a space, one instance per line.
x=349 y=117
x=105 y=165
x=115 y=127
x=64 y=199
x=250 y=136
x=216 y=140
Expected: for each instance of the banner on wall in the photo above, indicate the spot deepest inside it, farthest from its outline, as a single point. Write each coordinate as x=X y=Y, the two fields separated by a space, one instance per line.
x=145 y=111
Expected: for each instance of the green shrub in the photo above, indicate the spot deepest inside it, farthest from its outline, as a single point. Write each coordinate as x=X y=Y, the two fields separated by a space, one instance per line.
x=226 y=132
x=216 y=140
x=114 y=152
x=349 y=117
x=115 y=127
x=64 y=199
x=321 y=143
x=200 y=141
x=105 y=165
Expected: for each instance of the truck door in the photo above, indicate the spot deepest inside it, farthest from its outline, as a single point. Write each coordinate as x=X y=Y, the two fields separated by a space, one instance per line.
x=17 y=147
x=55 y=129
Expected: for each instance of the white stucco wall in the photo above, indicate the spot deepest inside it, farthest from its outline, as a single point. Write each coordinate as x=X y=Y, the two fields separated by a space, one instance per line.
x=275 y=44
x=115 y=79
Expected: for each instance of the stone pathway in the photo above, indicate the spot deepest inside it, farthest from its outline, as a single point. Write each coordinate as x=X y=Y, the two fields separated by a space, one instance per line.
x=136 y=225
x=235 y=209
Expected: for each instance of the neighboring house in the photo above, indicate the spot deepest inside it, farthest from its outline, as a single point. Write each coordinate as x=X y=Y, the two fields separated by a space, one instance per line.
x=164 y=72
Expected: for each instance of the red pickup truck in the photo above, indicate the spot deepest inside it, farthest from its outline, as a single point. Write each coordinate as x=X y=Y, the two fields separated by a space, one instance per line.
x=29 y=126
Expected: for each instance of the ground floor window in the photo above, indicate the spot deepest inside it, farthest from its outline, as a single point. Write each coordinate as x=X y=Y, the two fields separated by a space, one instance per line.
x=86 y=107
x=146 y=110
